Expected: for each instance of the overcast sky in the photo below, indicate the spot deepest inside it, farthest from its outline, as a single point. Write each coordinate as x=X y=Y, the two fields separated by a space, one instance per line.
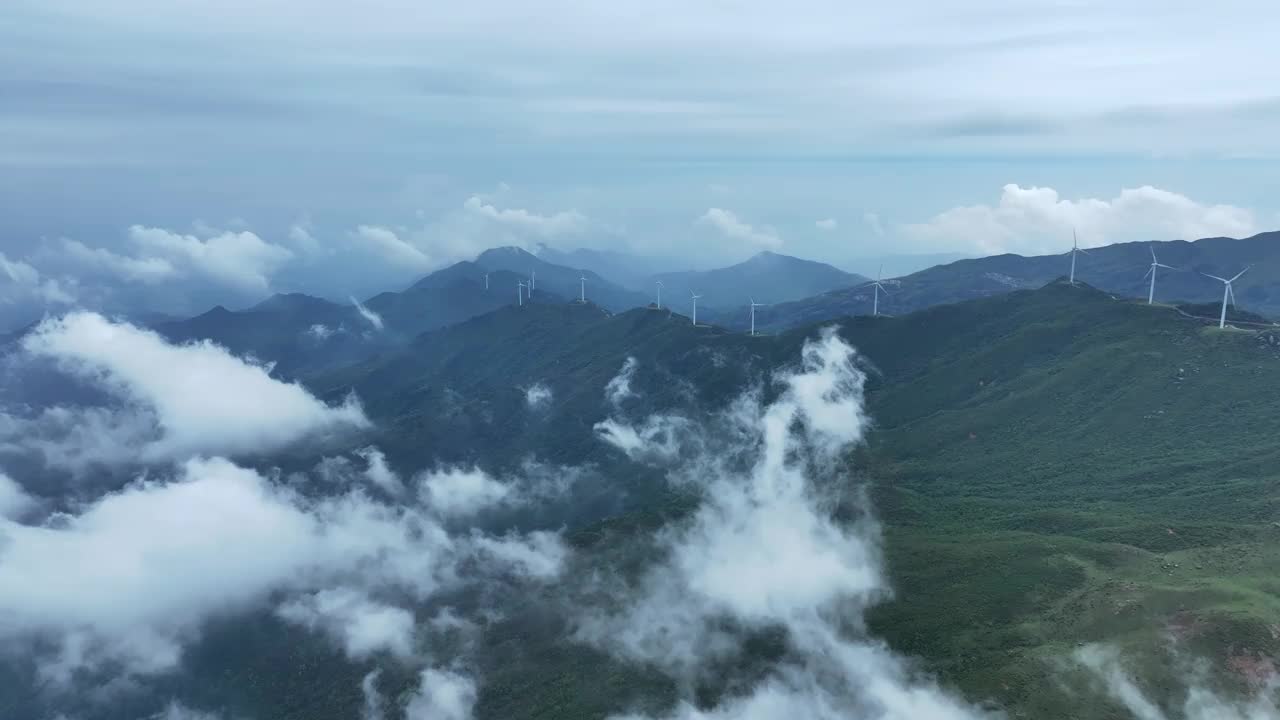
x=210 y=151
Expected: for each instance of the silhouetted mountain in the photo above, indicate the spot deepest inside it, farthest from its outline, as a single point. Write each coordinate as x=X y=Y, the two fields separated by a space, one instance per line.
x=629 y=270
x=1117 y=269
x=767 y=277
x=558 y=279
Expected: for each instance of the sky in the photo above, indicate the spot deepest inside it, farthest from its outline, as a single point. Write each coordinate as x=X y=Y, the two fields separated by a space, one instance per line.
x=167 y=156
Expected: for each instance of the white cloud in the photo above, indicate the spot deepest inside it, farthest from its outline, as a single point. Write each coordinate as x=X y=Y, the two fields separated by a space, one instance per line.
x=302 y=238
x=145 y=269
x=238 y=259
x=827 y=224
x=374 y=318
x=377 y=471
x=1036 y=220
x=79 y=438
x=14 y=501
x=159 y=557
x=442 y=695
x=455 y=492
x=204 y=399
x=764 y=551
x=363 y=626
x=731 y=227
x=537 y=555
x=372 y=709
x=562 y=223
x=395 y=250
x=320 y=332
x=537 y=396
x=658 y=439
x=619 y=387
x=25 y=284
x=1201 y=703
x=163 y=557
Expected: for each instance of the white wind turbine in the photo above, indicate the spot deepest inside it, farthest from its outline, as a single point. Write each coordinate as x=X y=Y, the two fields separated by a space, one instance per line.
x=582 y=290
x=658 y=285
x=533 y=281
x=877 y=289
x=520 y=286
x=695 y=297
x=1075 y=248
x=754 y=305
x=486 y=281
x=1151 y=294
x=1227 y=294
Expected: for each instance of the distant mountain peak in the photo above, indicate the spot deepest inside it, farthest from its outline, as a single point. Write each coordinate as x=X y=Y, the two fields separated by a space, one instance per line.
x=507 y=251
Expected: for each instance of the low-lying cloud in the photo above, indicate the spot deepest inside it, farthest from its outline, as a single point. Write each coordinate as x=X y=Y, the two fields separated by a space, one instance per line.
x=163 y=556
x=1107 y=667
x=200 y=397
x=763 y=551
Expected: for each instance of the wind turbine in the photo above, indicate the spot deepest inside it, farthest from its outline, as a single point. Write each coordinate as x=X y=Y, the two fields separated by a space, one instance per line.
x=695 y=306
x=659 y=288
x=875 y=303
x=1227 y=294
x=533 y=281
x=1151 y=294
x=486 y=281
x=582 y=280
x=520 y=286
x=754 y=305
x=1075 y=248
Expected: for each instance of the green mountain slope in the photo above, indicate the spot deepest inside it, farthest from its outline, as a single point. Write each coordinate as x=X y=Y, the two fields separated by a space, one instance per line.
x=1051 y=467
x=1118 y=269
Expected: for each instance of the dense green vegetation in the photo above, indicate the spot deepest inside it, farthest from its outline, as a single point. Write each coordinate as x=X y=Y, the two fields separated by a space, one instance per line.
x=1115 y=268
x=1051 y=467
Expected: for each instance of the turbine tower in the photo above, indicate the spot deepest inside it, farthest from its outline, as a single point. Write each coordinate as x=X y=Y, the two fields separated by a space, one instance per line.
x=658 y=285
x=754 y=305
x=1075 y=248
x=533 y=281
x=582 y=294
x=1227 y=294
x=875 y=303
x=486 y=281
x=1151 y=294
x=695 y=297
x=520 y=286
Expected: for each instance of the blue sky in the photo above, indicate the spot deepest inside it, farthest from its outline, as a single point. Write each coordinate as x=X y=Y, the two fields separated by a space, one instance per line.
x=181 y=153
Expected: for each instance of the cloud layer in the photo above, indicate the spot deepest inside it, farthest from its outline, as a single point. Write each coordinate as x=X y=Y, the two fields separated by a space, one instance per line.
x=201 y=398
x=1037 y=220
x=764 y=552
x=164 y=556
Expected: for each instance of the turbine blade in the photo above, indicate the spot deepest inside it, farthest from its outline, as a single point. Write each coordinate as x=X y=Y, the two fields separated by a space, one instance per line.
x=1152 y=248
x=1148 y=272
x=1237 y=277
x=1231 y=294
x=1170 y=267
x=1215 y=277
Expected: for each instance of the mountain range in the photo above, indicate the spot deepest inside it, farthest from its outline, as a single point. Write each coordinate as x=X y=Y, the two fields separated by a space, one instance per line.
x=766 y=277
x=1051 y=466
x=1118 y=269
